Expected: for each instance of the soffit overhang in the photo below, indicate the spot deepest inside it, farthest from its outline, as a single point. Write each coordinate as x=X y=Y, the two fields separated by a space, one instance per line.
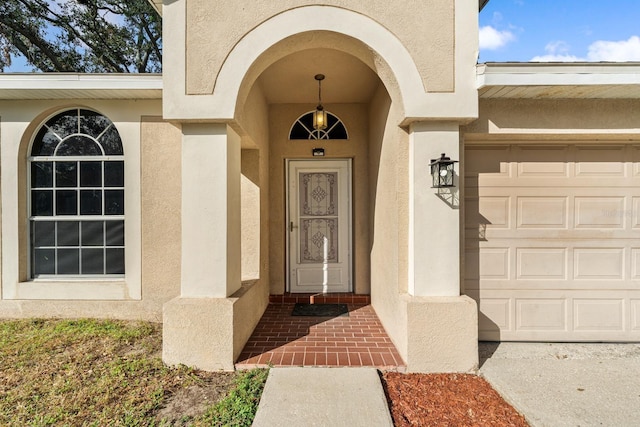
x=579 y=80
x=19 y=86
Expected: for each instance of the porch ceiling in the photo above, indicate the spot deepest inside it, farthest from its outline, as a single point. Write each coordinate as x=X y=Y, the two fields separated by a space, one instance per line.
x=291 y=79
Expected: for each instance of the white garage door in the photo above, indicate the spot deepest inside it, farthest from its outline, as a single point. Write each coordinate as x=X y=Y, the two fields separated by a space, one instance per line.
x=552 y=240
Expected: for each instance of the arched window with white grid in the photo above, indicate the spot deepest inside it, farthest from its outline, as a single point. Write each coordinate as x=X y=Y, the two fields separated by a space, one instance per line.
x=76 y=200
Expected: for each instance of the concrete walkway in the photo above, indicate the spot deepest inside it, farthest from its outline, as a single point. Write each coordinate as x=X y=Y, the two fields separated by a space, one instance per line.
x=554 y=384
x=323 y=397
x=551 y=384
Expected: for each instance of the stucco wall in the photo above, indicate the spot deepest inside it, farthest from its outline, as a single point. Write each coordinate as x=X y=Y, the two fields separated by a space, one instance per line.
x=431 y=48
x=388 y=228
x=250 y=214
x=161 y=208
x=560 y=116
x=354 y=117
x=252 y=298
x=153 y=207
x=254 y=120
x=425 y=28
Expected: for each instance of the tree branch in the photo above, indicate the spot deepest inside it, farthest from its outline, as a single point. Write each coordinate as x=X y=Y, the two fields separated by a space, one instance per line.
x=44 y=47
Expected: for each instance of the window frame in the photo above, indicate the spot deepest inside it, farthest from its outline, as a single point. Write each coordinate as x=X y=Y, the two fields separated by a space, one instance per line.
x=55 y=218
x=22 y=126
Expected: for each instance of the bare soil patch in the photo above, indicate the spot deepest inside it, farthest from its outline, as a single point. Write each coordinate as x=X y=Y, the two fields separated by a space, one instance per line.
x=191 y=402
x=447 y=400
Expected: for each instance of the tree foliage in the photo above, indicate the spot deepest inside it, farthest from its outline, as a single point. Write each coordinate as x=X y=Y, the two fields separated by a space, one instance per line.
x=84 y=36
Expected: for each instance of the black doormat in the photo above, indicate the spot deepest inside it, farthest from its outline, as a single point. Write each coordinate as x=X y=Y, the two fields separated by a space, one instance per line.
x=320 y=310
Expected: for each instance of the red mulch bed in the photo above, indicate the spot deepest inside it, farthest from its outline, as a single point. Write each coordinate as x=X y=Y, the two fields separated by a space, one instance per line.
x=447 y=400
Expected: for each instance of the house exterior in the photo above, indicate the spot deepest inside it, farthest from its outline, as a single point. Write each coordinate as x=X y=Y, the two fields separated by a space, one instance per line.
x=190 y=198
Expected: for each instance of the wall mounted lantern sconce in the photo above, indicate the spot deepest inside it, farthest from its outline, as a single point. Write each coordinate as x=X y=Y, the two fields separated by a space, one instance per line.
x=442 y=171
x=319 y=116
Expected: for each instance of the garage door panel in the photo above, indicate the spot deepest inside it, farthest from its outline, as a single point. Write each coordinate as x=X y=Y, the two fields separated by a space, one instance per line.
x=635 y=314
x=600 y=212
x=635 y=265
x=542 y=286
x=613 y=183
x=542 y=264
x=598 y=315
x=543 y=212
x=555 y=190
x=558 y=316
x=540 y=161
x=555 y=239
x=490 y=264
x=599 y=263
x=589 y=236
x=493 y=211
x=541 y=314
x=497 y=209
x=557 y=169
x=634 y=214
x=494 y=315
x=495 y=312
x=552 y=241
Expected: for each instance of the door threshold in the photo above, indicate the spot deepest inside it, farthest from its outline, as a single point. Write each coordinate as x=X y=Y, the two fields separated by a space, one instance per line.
x=320 y=298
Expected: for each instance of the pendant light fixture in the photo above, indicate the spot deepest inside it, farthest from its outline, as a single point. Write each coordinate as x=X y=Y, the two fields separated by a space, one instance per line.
x=319 y=116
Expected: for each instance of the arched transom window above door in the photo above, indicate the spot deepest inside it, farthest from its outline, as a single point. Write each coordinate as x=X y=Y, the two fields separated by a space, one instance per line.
x=302 y=128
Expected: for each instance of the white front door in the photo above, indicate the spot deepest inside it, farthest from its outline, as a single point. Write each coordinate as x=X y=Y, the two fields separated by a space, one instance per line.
x=319 y=225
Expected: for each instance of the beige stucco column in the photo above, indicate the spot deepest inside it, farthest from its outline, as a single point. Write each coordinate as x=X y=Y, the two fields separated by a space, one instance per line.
x=434 y=215
x=442 y=325
x=199 y=325
x=210 y=211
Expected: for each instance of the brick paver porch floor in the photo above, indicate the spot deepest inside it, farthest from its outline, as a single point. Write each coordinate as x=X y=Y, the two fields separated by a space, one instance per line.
x=355 y=340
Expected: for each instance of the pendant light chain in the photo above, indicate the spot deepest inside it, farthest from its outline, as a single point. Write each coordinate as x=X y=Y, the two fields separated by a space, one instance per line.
x=319 y=78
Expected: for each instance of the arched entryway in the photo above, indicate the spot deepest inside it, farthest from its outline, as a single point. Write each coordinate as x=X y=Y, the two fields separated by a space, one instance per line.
x=353 y=93
x=236 y=135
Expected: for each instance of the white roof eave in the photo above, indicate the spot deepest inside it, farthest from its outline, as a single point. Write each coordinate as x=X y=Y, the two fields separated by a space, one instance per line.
x=62 y=85
x=557 y=74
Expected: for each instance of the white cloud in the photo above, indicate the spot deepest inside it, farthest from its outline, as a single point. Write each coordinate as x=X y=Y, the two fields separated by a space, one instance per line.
x=557 y=51
x=496 y=18
x=492 y=39
x=557 y=47
x=601 y=50
x=619 y=51
x=556 y=58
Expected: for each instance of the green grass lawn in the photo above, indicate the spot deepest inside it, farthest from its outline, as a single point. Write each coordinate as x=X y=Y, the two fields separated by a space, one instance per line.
x=107 y=373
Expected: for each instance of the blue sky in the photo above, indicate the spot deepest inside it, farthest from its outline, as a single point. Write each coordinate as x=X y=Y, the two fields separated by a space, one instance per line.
x=560 y=30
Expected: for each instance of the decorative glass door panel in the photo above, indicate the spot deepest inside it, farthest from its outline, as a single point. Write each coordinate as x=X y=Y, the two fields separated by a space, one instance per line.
x=319 y=225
